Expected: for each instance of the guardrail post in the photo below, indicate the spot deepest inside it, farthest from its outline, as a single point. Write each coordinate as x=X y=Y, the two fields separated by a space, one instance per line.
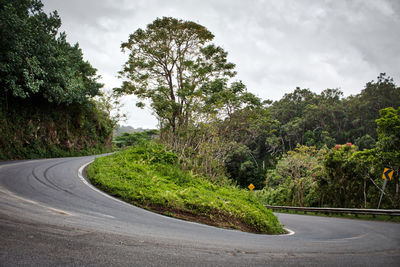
x=383 y=192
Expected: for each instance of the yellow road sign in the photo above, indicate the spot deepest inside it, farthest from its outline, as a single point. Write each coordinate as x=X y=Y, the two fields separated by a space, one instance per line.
x=387 y=174
x=251 y=187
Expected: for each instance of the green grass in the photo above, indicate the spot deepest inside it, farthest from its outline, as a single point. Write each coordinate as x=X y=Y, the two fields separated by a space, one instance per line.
x=149 y=176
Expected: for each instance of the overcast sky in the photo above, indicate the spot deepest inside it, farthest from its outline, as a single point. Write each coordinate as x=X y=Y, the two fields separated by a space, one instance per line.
x=276 y=45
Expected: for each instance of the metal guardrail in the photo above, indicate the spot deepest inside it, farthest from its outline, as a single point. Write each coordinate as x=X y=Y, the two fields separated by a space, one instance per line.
x=355 y=212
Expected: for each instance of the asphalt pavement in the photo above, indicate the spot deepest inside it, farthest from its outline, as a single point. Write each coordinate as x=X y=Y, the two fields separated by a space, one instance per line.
x=51 y=216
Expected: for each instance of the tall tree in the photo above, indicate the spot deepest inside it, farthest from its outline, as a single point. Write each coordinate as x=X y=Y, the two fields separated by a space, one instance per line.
x=168 y=63
x=290 y=112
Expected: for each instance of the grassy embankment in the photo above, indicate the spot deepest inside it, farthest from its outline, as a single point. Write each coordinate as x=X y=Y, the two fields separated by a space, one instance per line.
x=149 y=176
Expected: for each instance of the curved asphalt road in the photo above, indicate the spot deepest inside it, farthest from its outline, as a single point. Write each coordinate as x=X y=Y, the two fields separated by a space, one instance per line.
x=49 y=216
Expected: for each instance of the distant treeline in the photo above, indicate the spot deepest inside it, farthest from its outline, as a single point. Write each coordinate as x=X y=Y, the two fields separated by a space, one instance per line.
x=302 y=117
x=327 y=118
x=333 y=150
x=122 y=129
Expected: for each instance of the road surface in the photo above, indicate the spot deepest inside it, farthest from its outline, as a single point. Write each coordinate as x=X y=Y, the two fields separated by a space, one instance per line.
x=49 y=216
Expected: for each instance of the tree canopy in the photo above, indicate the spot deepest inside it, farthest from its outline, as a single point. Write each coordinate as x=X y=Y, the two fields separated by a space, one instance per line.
x=37 y=61
x=169 y=63
x=47 y=107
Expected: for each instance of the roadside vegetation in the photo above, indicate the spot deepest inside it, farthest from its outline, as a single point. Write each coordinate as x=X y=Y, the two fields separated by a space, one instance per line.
x=306 y=149
x=50 y=99
x=342 y=176
x=148 y=175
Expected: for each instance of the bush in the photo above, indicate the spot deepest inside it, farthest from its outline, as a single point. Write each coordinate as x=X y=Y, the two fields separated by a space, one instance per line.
x=293 y=181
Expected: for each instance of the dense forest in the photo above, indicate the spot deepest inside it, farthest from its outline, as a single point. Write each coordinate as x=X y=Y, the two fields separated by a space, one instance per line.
x=47 y=91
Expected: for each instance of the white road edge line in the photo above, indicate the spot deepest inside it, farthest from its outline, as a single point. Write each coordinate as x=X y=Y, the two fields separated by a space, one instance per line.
x=83 y=179
x=290 y=232
x=58 y=211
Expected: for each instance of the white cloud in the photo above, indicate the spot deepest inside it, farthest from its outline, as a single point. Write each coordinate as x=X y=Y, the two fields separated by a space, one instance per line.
x=276 y=45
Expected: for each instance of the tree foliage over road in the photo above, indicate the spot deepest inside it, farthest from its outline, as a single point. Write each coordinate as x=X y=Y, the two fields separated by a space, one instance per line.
x=37 y=61
x=47 y=89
